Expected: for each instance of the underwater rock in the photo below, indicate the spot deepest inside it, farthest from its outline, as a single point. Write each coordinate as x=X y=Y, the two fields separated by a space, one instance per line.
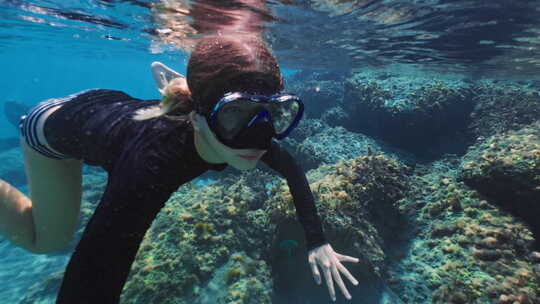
x=506 y=168
x=238 y=281
x=335 y=116
x=315 y=143
x=477 y=253
x=418 y=118
x=44 y=292
x=305 y=129
x=355 y=200
x=500 y=108
x=193 y=239
x=332 y=145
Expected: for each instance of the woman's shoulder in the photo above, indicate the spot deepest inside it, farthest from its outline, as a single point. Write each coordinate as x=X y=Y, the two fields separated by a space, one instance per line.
x=101 y=93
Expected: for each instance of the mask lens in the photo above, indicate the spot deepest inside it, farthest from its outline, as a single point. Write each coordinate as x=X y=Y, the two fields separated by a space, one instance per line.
x=283 y=114
x=233 y=116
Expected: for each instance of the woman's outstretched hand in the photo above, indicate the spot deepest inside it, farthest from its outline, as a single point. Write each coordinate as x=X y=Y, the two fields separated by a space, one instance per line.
x=330 y=262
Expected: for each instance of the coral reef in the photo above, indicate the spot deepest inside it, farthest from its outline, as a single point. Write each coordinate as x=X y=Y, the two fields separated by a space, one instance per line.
x=502 y=107
x=355 y=200
x=44 y=292
x=356 y=203
x=315 y=143
x=305 y=129
x=238 y=282
x=332 y=145
x=194 y=239
x=418 y=120
x=455 y=230
x=466 y=250
x=506 y=168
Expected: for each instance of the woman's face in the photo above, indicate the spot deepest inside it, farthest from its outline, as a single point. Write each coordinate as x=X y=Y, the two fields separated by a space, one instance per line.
x=241 y=159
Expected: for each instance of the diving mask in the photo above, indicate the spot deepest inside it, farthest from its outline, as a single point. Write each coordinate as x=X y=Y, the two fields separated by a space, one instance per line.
x=237 y=112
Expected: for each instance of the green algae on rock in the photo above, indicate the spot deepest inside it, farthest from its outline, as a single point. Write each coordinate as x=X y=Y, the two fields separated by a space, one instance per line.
x=506 y=168
x=501 y=108
x=192 y=242
x=352 y=197
x=475 y=253
x=332 y=145
x=414 y=118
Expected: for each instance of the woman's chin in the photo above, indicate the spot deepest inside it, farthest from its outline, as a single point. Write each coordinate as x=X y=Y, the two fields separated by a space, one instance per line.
x=243 y=165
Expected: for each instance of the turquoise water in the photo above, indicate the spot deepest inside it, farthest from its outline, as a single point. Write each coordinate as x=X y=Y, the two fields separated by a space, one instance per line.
x=460 y=62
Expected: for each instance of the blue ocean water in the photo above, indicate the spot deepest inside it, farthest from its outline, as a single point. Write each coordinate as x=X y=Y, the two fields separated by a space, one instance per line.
x=56 y=48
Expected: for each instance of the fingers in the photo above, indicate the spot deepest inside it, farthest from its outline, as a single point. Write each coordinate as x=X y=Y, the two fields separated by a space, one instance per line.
x=339 y=281
x=346 y=258
x=315 y=270
x=329 y=281
x=347 y=274
x=332 y=270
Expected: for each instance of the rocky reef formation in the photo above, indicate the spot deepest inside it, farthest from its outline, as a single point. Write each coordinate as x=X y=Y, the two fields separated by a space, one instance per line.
x=502 y=107
x=467 y=250
x=506 y=169
x=217 y=244
x=455 y=229
x=205 y=235
x=418 y=117
x=318 y=144
x=45 y=291
x=355 y=202
x=315 y=143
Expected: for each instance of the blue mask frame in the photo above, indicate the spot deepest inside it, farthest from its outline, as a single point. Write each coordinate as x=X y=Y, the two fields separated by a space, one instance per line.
x=263 y=115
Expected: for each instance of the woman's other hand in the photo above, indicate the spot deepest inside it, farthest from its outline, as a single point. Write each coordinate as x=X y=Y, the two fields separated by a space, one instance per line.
x=330 y=262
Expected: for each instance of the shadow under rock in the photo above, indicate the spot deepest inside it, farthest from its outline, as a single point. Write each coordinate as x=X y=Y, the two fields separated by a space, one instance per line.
x=294 y=283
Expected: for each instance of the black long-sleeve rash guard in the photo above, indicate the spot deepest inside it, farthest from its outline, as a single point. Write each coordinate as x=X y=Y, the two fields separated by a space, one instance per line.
x=146 y=162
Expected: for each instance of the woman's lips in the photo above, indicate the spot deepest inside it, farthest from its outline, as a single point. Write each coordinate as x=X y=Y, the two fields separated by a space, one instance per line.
x=251 y=156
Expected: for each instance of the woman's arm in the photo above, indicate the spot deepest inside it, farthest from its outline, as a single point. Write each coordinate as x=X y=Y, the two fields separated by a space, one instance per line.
x=136 y=191
x=282 y=162
x=321 y=254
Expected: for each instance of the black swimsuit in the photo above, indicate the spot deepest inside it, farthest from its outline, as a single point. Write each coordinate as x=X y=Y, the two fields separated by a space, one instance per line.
x=146 y=162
